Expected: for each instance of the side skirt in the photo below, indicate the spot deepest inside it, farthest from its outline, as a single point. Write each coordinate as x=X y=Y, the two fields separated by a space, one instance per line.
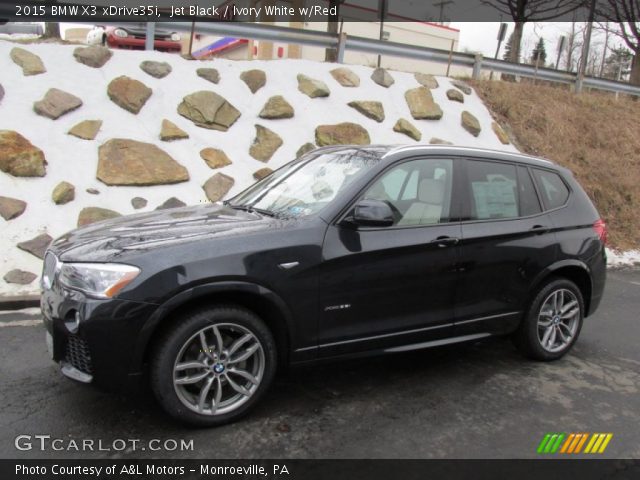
x=399 y=349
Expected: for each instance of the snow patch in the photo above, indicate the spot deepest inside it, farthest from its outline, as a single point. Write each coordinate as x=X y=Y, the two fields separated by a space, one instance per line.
x=75 y=160
x=616 y=259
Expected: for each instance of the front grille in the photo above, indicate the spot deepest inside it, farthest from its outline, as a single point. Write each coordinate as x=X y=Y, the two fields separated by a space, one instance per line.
x=78 y=354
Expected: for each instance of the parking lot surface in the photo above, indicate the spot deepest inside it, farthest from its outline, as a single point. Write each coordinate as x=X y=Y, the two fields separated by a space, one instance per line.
x=472 y=401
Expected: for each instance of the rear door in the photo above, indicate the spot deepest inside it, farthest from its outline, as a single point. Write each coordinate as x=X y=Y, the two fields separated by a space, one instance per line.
x=507 y=240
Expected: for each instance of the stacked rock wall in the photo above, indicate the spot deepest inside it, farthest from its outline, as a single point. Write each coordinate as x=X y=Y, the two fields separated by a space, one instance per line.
x=88 y=133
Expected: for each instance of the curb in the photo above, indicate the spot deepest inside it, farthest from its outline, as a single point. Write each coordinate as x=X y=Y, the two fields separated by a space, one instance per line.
x=19 y=302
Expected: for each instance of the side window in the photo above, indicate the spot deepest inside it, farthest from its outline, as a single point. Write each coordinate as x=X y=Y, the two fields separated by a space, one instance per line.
x=392 y=184
x=388 y=187
x=418 y=191
x=553 y=190
x=493 y=190
x=411 y=188
x=528 y=198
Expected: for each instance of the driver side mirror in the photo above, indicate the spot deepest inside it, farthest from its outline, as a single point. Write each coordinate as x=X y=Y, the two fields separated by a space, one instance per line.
x=372 y=213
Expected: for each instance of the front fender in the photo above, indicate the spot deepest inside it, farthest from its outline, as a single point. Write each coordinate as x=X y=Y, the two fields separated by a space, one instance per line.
x=201 y=292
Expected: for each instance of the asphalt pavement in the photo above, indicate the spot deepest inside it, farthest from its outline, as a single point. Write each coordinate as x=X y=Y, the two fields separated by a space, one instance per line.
x=473 y=401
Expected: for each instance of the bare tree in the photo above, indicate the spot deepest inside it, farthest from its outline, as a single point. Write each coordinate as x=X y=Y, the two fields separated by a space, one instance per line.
x=606 y=30
x=523 y=11
x=592 y=57
x=575 y=42
x=626 y=13
x=331 y=54
x=51 y=30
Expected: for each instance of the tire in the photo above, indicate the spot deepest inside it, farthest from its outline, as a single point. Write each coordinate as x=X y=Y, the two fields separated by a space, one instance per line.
x=542 y=318
x=182 y=369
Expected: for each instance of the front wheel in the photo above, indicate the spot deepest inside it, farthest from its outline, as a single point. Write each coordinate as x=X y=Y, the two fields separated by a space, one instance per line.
x=213 y=365
x=553 y=322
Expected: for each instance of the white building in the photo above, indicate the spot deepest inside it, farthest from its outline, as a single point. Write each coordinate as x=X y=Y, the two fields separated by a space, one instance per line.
x=397 y=28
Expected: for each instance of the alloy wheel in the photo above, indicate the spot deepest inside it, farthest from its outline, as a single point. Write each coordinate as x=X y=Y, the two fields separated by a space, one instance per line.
x=558 y=320
x=218 y=369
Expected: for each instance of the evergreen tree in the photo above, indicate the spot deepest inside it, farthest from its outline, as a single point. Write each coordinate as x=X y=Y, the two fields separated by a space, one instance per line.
x=539 y=56
x=619 y=60
x=507 y=49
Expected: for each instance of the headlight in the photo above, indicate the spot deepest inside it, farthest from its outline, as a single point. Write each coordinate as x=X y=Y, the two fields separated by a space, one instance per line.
x=118 y=32
x=175 y=37
x=101 y=280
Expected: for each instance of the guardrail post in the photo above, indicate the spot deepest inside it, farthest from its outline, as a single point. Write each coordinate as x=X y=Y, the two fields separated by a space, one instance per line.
x=150 y=36
x=342 y=42
x=477 y=66
x=579 y=81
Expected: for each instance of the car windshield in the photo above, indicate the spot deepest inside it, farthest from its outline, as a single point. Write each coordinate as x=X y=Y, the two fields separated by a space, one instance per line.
x=306 y=186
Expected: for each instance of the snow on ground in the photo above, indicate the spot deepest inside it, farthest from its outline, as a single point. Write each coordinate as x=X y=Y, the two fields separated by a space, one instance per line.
x=617 y=259
x=75 y=160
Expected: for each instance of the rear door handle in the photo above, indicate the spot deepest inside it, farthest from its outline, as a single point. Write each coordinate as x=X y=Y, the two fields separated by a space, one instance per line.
x=445 y=241
x=539 y=229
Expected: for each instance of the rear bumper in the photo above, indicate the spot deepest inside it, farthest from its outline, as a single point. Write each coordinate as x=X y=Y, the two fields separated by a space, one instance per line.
x=94 y=341
x=598 y=268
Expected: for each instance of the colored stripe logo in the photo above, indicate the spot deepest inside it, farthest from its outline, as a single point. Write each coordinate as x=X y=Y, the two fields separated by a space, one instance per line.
x=572 y=443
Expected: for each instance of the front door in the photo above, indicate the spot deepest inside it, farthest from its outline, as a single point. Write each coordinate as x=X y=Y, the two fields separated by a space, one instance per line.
x=386 y=287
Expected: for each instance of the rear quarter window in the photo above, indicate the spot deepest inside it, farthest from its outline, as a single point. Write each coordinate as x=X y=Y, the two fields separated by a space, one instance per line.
x=553 y=190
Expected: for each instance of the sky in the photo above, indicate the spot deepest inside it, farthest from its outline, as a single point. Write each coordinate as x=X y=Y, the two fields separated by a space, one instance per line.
x=482 y=37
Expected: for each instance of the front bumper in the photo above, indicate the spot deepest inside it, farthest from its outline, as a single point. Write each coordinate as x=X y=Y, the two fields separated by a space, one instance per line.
x=94 y=341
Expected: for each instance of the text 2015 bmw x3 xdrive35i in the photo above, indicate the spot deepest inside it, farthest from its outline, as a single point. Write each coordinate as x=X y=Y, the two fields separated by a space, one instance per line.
x=345 y=251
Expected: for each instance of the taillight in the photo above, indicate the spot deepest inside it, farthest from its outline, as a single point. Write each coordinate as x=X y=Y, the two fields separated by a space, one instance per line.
x=600 y=227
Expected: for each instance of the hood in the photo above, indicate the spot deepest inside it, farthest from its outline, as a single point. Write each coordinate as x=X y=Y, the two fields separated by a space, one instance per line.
x=119 y=237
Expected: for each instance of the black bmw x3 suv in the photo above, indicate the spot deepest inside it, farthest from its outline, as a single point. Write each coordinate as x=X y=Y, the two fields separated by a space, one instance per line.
x=344 y=252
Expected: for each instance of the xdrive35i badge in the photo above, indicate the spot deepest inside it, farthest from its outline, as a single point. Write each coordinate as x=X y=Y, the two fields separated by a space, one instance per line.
x=344 y=306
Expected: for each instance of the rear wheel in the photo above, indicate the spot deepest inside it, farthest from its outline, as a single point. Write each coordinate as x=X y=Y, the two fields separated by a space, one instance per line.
x=553 y=322
x=213 y=366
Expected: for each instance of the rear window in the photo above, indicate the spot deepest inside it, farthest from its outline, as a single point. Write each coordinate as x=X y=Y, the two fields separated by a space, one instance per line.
x=553 y=190
x=493 y=188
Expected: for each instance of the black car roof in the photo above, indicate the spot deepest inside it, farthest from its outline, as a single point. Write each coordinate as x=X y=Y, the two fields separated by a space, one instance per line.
x=473 y=152
x=393 y=151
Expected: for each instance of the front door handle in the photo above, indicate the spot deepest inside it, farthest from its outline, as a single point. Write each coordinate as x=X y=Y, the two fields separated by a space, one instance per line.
x=538 y=229
x=445 y=241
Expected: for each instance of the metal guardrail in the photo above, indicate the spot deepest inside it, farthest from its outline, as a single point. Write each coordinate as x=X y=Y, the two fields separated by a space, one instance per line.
x=342 y=43
x=373 y=46
x=611 y=86
x=255 y=31
x=22 y=28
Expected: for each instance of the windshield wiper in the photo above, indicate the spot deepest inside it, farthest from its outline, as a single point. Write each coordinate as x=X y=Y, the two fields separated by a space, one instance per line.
x=251 y=208
x=246 y=208
x=263 y=211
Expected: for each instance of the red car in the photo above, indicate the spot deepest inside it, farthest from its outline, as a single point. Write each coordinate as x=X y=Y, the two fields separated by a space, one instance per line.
x=134 y=38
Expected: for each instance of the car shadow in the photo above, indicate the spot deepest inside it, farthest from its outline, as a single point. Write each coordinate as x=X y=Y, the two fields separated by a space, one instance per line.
x=301 y=391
